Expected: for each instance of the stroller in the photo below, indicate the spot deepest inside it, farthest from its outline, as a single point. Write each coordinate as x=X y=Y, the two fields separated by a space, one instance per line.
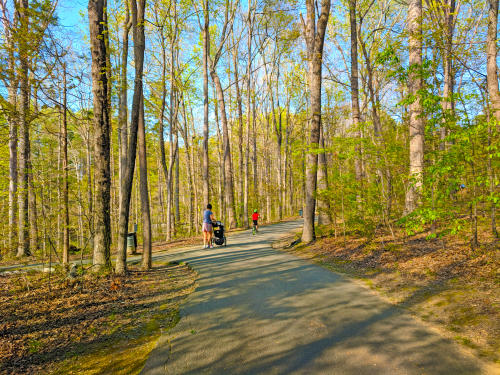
x=219 y=237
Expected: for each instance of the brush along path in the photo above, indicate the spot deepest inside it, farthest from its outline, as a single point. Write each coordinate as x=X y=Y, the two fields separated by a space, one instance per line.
x=258 y=310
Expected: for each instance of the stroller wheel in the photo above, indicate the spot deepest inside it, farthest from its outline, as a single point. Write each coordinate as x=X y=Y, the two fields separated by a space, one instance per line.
x=225 y=242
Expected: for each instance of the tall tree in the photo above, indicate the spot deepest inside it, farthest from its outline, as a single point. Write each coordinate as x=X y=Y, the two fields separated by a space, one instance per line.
x=315 y=37
x=356 y=113
x=65 y=183
x=122 y=103
x=143 y=186
x=206 y=54
x=12 y=118
x=24 y=138
x=228 y=163
x=102 y=237
x=491 y=59
x=137 y=9
x=493 y=92
x=250 y=16
x=416 y=122
x=240 y=122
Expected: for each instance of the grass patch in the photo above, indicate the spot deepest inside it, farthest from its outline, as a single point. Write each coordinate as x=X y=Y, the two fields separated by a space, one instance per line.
x=123 y=358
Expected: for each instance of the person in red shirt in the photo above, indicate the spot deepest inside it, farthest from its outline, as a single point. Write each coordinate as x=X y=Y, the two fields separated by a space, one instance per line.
x=255 y=219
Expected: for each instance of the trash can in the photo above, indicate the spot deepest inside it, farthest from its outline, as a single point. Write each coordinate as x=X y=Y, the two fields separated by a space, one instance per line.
x=132 y=242
x=300 y=213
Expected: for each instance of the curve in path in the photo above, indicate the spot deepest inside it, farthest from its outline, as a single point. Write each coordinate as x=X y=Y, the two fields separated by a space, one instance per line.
x=261 y=311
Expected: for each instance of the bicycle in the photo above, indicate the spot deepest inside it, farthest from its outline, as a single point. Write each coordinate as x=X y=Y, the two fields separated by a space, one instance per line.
x=254 y=229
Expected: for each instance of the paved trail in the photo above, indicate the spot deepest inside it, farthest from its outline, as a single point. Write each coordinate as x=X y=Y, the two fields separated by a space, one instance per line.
x=261 y=311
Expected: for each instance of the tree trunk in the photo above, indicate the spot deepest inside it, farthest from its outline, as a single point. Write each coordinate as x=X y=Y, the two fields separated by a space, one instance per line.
x=221 y=175
x=12 y=119
x=90 y=195
x=189 y=166
x=413 y=193
x=206 y=53
x=448 y=87
x=315 y=36
x=139 y=45
x=98 y=30
x=323 y=202
x=24 y=141
x=65 y=195
x=356 y=113
x=491 y=60
x=143 y=186
x=248 y=108
x=254 y=152
x=240 y=130
x=177 y=209
x=228 y=165
x=122 y=106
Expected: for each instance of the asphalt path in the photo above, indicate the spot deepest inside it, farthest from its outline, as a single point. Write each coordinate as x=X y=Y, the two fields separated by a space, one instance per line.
x=258 y=310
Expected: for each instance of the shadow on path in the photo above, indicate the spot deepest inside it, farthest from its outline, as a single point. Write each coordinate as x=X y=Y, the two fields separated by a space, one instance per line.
x=260 y=311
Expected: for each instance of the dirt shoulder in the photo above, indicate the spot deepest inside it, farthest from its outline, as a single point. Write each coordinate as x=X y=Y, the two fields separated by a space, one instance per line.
x=94 y=324
x=443 y=282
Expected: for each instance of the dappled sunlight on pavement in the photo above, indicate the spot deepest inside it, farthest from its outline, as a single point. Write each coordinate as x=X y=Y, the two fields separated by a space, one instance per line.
x=260 y=311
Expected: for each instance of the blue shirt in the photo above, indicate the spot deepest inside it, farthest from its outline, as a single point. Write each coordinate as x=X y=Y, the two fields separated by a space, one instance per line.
x=206 y=216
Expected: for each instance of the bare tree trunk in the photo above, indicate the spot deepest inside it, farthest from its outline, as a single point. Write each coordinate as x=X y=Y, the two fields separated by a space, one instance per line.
x=493 y=93
x=315 y=36
x=139 y=46
x=416 y=122
x=491 y=59
x=194 y=174
x=356 y=113
x=228 y=165
x=189 y=166
x=90 y=196
x=13 y=167
x=323 y=203
x=240 y=129
x=146 y=217
x=177 y=209
x=12 y=119
x=24 y=140
x=248 y=108
x=102 y=238
x=278 y=133
x=122 y=106
x=222 y=172
x=206 y=53
x=254 y=153
x=33 y=213
x=64 y=135
x=173 y=156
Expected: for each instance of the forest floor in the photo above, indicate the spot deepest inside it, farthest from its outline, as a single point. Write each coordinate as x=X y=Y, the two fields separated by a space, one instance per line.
x=441 y=281
x=95 y=324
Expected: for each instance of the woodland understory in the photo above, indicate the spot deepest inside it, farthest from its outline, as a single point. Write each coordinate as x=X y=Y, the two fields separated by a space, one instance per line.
x=380 y=119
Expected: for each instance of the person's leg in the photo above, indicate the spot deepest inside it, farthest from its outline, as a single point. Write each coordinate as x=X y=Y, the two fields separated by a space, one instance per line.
x=204 y=237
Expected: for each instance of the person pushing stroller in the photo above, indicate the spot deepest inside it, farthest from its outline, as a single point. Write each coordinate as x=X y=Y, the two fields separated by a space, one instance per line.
x=207 y=229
